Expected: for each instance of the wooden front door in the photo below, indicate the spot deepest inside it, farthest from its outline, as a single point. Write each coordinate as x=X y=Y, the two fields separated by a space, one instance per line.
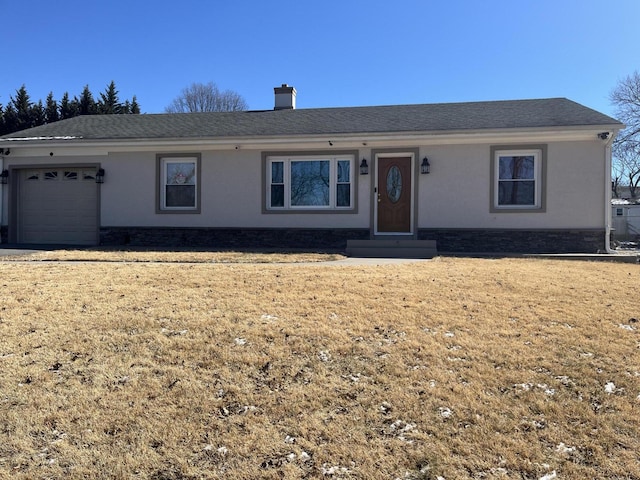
x=394 y=195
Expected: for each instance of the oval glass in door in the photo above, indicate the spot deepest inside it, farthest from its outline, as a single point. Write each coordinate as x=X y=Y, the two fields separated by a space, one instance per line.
x=394 y=184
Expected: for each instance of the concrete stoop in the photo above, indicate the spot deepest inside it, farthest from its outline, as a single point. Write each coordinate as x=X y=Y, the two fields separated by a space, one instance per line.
x=391 y=248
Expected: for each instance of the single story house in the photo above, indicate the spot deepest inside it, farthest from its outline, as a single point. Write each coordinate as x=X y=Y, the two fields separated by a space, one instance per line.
x=500 y=176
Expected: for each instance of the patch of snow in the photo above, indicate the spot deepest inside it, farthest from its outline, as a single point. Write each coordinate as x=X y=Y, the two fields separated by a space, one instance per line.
x=65 y=137
x=432 y=384
x=223 y=450
x=620 y=201
x=445 y=412
x=529 y=386
x=562 y=448
x=240 y=341
x=268 y=317
x=324 y=356
x=627 y=327
x=449 y=334
x=333 y=470
x=289 y=439
x=549 y=476
x=610 y=388
x=304 y=456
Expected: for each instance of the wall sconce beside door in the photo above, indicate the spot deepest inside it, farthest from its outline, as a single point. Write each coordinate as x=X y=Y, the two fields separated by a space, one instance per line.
x=364 y=168
x=4 y=177
x=100 y=175
x=425 y=166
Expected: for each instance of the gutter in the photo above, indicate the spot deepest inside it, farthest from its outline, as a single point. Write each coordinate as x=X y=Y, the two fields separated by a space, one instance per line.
x=256 y=142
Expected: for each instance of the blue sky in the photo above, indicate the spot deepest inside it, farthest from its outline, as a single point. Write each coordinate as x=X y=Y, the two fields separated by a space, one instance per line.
x=335 y=52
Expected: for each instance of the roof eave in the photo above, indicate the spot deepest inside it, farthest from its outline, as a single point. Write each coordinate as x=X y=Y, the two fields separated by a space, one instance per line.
x=434 y=137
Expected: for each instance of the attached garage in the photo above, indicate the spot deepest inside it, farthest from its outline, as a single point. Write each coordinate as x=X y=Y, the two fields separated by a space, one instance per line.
x=57 y=205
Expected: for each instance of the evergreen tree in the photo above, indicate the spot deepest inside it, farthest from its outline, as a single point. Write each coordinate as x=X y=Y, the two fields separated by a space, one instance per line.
x=87 y=105
x=23 y=109
x=10 y=119
x=38 y=116
x=109 y=103
x=2 y=124
x=21 y=113
x=68 y=108
x=135 y=107
x=51 y=113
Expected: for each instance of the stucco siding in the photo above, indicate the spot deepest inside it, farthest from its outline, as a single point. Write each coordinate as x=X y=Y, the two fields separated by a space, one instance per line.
x=231 y=196
x=456 y=194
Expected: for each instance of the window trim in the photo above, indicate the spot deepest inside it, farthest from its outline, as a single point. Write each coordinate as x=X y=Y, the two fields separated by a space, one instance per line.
x=287 y=157
x=161 y=160
x=540 y=179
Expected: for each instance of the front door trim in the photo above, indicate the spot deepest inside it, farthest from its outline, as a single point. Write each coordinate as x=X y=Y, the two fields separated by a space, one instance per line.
x=376 y=154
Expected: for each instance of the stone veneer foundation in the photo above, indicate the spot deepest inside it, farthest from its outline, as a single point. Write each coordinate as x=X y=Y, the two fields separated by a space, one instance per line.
x=333 y=239
x=448 y=240
x=515 y=241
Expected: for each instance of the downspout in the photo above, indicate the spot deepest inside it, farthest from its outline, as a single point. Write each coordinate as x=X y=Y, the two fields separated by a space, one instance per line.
x=1 y=198
x=607 y=191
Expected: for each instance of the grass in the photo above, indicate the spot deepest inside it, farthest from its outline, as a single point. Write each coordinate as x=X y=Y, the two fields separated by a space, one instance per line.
x=184 y=255
x=458 y=368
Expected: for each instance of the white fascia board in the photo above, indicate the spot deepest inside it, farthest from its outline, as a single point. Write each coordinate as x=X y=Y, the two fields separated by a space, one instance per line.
x=75 y=146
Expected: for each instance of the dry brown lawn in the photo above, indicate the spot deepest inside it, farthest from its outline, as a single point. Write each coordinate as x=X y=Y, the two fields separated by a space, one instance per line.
x=174 y=256
x=451 y=368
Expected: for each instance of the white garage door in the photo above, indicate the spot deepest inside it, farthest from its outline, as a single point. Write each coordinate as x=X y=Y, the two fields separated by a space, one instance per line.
x=58 y=206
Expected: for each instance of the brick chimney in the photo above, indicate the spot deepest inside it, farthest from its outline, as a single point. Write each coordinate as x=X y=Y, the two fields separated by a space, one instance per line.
x=285 y=97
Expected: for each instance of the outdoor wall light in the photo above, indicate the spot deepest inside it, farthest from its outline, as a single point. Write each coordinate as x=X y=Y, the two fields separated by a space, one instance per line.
x=4 y=177
x=425 y=166
x=364 y=168
x=100 y=175
x=5 y=152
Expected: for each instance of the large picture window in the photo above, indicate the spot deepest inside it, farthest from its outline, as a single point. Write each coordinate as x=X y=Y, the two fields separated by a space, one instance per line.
x=179 y=183
x=518 y=179
x=310 y=182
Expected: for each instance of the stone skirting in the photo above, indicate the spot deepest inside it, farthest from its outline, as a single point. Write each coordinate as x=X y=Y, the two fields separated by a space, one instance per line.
x=334 y=239
x=448 y=240
x=515 y=241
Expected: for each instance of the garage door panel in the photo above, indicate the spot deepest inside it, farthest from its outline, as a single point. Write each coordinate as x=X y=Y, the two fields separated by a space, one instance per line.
x=58 y=205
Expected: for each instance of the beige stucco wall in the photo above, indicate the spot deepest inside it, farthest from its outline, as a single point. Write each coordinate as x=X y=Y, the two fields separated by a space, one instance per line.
x=456 y=194
x=231 y=195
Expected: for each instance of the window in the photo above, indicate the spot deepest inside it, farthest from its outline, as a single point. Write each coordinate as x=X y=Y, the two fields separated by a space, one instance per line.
x=310 y=182
x=518 y=179
x=179 y=183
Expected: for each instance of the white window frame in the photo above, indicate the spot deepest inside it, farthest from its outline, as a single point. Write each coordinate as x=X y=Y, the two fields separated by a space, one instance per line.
x=333 y=183
x=162 y=162
x=538 y=152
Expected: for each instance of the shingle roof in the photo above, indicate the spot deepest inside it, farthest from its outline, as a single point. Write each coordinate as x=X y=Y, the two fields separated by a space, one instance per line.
x=509 y=114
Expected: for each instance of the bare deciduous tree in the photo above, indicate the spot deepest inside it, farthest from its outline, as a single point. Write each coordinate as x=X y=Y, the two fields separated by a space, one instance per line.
x=626 y=148
x=200 y=97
